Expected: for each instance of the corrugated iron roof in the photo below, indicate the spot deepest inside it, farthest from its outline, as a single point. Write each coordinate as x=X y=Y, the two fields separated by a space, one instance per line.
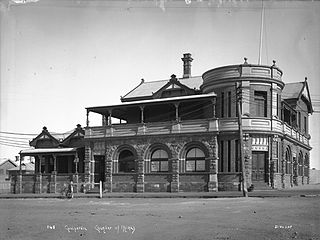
x=146 y=89
x=292 y=90
x=24 y=166
x=47 y=150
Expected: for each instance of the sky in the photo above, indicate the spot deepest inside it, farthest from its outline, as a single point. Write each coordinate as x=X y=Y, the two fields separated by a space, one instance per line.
x=59 y=57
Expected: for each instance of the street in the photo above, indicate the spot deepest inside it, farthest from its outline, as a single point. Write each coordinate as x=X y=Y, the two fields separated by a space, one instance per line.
x=161 y=218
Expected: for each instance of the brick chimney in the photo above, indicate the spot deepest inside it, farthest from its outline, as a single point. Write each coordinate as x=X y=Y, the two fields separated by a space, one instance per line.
x=187 y=59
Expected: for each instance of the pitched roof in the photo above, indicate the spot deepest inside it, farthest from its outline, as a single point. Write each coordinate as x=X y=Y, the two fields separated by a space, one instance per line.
x=3 y=161
x=24 y=166
x=31 y=152
x=298 y=90
x=292 y=90
x=147 y=89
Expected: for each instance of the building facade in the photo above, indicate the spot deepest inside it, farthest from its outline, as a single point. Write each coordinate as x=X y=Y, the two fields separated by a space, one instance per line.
x=182 y=134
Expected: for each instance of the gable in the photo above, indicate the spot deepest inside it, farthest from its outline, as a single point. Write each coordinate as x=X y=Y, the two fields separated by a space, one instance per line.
x=173 y=88
x=44 y=140
x=75 y=139
x=147 y=90
x=294 y=92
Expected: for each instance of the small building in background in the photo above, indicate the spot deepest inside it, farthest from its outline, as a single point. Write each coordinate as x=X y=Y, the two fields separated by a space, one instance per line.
x=5 y=165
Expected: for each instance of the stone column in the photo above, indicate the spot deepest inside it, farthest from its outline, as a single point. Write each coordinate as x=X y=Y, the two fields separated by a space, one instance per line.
x=213 y=176
x=140 y=175
x=87 y=163
x=38 y=184
x=283 y=164
x=108 y=174
x=248 y=160
x=213 y=165
x=19 y=183
x=175 y=175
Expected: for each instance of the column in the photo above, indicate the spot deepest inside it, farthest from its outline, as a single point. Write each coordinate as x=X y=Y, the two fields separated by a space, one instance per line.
x=175 y=175
x=108 y=173
x=76 y=176
x=177 y=111
x=87 y=118
x=213 y=166
x=53 y=182
x=140 y=176
x=213 y=101
x=38 y=184
x=109 y=118
x=142 y=114
x=19 y=180
x=87 y=165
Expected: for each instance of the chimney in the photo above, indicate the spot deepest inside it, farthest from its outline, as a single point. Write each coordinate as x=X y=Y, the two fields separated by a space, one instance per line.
x=187 y=59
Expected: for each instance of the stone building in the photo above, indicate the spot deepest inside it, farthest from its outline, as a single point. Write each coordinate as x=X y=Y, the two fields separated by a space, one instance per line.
x=182 y=134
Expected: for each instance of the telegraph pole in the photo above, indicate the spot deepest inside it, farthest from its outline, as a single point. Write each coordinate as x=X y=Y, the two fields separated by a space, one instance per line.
x=241 y=150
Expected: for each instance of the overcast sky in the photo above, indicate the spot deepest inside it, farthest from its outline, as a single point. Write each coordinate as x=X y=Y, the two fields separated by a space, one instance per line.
x=58 y=57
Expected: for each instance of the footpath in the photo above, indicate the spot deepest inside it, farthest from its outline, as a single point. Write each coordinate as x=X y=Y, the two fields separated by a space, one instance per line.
x=297 y=191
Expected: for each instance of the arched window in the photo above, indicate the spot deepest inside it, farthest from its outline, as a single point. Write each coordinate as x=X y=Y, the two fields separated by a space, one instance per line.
x=300 y=164
x=126 y=161
x=306 y=165
x=288 y=162
x=159 y=161
x=195 y=160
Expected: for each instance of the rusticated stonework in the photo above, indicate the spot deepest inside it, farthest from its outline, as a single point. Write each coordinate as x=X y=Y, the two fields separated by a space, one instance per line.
x=142 y=147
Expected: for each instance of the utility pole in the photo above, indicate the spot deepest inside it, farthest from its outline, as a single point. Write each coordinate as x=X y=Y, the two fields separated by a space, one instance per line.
x=241 y=150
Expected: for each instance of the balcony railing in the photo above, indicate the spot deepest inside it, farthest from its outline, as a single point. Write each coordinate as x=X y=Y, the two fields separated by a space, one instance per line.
x=196 y=126
x=120 y=130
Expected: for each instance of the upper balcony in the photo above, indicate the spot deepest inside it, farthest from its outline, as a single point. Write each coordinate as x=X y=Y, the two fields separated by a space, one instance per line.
x=250 y=125
x=157 y=128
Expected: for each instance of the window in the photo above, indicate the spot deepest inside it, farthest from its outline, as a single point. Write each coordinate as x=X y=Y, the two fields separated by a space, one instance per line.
x=195 y=160
x=306 y=165
x=300 y=164
x=237 y=153
x=229 y=156
x=222 y=104
x=159 y=161
x=221 y=156
x=260 y=103
x=305 y=125
x=278 y=100
x=288 y=162
x=229 y=104
x=126 y=161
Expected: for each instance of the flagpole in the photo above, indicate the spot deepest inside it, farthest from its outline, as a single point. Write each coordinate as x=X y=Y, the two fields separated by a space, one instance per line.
x=261 y=33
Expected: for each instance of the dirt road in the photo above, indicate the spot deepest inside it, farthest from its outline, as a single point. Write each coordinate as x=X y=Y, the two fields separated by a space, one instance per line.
x=122 y=219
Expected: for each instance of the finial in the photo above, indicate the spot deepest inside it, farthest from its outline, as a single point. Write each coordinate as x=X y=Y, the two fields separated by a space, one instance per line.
x=173 y=76
x=142 y=80
x=274 y=63
x=44 y=128
x=78 y=125
x=305 y=79
x=245 y=60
